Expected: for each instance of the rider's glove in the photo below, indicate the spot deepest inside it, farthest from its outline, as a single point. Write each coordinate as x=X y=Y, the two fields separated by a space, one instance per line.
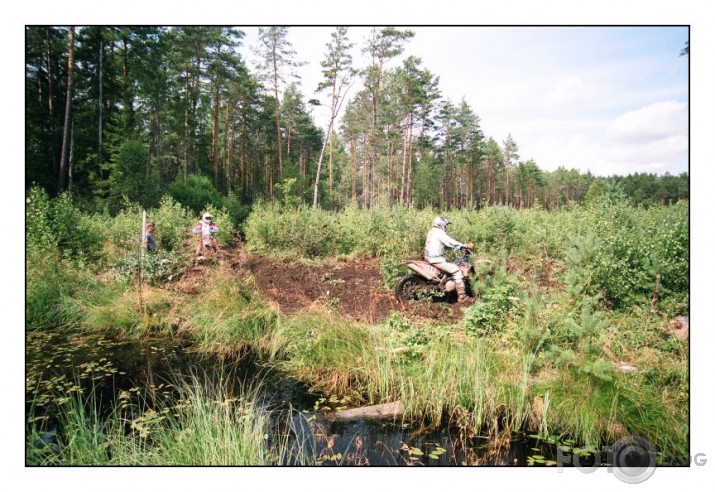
x=469 y=245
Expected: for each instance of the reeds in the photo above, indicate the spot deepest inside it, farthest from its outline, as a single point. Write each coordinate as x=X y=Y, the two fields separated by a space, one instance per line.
x=204 y=425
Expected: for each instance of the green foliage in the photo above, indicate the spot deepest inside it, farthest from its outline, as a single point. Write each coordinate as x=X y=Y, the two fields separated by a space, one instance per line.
x=59 y=224
x=314 y=233
x=501 y=229
x=172 y=224
x=532 y=331
x=60 y=241
x=491 y=313
x=287 y=193
x=195 y=193
x=156 y=268
x=132 y=177
x=581 y=262
x=39 y=236
x=588 y=329
x=123 y=233
x=410 y=338
x=635 y=244
x=390 y=253
x=237 y=212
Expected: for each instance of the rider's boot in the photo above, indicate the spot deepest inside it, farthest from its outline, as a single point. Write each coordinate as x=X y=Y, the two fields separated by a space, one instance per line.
x=461 y=292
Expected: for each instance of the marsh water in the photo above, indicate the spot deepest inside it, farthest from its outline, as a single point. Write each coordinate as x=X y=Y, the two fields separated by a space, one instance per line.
x=58 y=366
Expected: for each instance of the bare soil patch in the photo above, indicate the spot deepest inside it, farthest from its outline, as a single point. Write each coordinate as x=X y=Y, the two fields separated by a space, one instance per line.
x=354 y=287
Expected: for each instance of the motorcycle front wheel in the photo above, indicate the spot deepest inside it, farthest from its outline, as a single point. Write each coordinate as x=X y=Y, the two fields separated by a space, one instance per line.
x=410 y=287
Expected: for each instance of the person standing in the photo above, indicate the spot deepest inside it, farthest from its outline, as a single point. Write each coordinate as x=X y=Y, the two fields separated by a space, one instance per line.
x=205 y=229
x=149 y=241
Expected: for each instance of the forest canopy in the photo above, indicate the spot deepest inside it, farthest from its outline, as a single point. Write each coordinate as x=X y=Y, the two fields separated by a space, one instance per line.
x=117 y=113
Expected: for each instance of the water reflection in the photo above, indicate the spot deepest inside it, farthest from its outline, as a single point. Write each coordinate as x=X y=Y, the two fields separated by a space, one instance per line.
x=117 y=372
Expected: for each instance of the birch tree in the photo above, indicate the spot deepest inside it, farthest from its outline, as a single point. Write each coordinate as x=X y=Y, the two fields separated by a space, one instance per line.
x=337 y=75
x=62 y=181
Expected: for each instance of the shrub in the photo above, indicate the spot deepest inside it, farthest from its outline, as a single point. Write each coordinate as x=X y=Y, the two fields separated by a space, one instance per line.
x=58 y=223
x=132 y=178
x=196 y=193
x=491 y=313
x=635 y=244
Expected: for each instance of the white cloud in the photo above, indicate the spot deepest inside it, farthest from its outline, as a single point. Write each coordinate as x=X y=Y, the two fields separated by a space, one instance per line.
x=570 y=90
x=651 y=139
x=575 y=152
x=661 y=120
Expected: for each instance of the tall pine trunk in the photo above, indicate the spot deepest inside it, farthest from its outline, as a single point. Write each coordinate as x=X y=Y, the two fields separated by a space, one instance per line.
x=353 y=160
x=62 y=182
x=409 y=166
x=242 y=175
x=100 y=107
x=214 y=134
x=51 y=106
x=278 y=118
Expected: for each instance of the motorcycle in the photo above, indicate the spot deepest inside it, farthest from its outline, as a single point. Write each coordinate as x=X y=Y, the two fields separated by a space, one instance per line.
x=429 y=281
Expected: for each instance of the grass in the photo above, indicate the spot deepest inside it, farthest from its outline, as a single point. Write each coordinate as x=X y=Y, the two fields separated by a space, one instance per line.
x=227 y=315
x=486 y=384
x=203 y=426
x=481 y=384
x=536 y=361
x=336 y=356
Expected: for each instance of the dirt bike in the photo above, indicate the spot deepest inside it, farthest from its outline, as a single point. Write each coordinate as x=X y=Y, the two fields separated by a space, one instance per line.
x=428 y=281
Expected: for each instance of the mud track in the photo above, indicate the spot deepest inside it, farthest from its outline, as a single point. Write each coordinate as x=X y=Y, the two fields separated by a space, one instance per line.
x=354 y=288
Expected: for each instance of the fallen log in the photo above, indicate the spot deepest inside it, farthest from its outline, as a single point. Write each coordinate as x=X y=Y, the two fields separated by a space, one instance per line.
x=390 y=410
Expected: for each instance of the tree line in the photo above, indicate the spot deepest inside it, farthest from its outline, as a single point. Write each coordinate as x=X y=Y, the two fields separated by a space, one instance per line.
x=135 y=112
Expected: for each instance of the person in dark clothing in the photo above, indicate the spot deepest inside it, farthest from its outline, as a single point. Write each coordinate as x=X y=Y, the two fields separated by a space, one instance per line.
x=149 y=241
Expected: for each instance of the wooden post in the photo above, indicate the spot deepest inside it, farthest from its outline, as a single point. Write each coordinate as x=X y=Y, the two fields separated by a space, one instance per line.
x=140 y=276
x=654 y=299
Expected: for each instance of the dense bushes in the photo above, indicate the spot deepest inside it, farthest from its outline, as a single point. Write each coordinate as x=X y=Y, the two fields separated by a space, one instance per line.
x=198 y=195
x=313 y=233
x=632 y=244
x=540 y=342
x=66 y=247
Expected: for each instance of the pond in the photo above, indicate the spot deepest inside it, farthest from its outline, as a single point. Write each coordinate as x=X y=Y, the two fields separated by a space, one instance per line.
x=60 y=365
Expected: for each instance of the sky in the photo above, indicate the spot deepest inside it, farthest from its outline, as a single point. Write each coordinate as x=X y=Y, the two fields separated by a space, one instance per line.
x=609 y=100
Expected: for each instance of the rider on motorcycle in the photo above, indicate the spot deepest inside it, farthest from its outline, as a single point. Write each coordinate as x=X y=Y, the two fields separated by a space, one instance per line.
x=437 y=239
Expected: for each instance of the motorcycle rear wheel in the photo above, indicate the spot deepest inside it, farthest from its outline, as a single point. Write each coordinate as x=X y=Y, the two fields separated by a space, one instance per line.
x=409 y=287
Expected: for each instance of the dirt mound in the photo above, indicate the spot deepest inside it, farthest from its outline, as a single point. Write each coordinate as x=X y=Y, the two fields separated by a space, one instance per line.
x=353 y=287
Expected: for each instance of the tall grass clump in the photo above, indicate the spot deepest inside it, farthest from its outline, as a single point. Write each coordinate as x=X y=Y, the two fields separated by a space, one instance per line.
x=79 y=435
x=227 y=315
x=201 y=426
x=210 y=428
x=450 y=376
x=334 y=355
x=51 y=286
x=60 y=243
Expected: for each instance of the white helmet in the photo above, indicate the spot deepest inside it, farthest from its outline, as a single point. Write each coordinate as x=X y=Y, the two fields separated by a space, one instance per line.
x=206 y=217
x=441 y=223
